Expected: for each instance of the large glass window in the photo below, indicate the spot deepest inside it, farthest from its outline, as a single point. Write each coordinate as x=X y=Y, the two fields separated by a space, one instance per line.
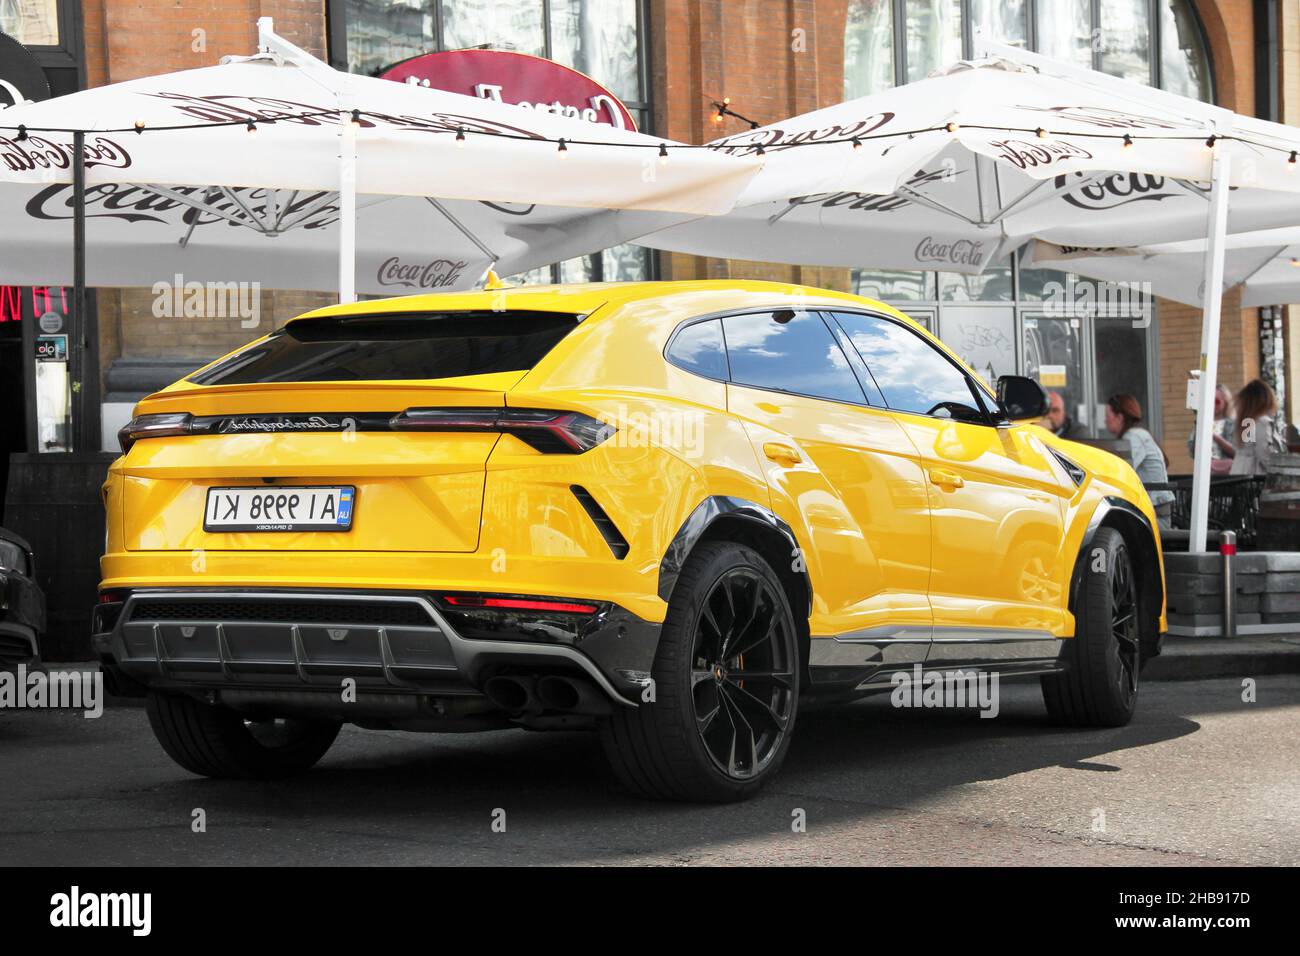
x=1126 y=39
x=1121 y=37
x=933 y=35
x=500 y=24
x=1065 y=30
x=789 y=352
x=1004 y=19
x=599 y=38
x=31 y=22
x=912 y=374
x=868 y=48
x=1184 y=63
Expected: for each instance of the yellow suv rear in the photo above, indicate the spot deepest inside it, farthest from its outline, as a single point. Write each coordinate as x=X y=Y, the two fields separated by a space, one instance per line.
x=662 y=510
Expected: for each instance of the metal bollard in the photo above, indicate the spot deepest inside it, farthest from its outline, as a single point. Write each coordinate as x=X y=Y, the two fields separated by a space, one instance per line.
x=1228 y=551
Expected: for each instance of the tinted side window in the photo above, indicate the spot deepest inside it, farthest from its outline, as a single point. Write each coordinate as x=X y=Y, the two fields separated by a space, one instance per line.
x=789 y=352
x=698 y=348
x=913 y=375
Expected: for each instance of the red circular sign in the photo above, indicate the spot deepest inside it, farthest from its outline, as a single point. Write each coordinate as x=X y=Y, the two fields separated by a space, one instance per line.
x=515 y=78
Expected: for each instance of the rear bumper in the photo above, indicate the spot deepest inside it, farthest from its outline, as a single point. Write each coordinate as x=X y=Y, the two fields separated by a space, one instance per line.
x=390 y=643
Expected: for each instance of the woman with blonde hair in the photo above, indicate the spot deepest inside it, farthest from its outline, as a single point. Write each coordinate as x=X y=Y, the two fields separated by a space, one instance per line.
x=1258 y=436
x=1123 y=415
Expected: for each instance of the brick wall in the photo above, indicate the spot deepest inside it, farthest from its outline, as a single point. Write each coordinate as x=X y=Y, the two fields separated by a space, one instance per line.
x=774 y=58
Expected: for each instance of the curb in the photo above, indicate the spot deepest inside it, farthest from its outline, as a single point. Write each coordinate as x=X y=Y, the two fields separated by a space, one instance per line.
x=1199 y=658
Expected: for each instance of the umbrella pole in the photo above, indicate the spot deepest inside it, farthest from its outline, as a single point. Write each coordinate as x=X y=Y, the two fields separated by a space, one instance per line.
x=348 y=211
x=76 y=349
x=1212 y=304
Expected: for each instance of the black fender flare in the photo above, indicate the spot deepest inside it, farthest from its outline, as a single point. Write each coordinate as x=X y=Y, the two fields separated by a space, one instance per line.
x=705 y=515
x=1107 y=507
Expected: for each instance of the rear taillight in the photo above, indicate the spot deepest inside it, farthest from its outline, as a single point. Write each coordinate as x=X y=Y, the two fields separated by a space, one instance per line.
x=154 y=426
x=556 y=432
x=519 y=604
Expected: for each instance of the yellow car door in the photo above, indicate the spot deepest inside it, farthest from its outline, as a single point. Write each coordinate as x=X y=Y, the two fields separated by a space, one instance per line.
x=846 y=471
x=999 y=577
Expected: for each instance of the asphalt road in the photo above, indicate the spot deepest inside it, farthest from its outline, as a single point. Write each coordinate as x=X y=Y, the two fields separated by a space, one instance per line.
x=1199 y=778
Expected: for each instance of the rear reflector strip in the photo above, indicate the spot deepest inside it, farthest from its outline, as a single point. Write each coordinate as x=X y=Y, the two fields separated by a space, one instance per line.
x=518 y=604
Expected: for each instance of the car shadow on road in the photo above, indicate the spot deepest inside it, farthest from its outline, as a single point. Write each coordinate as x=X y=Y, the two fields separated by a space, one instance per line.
x=413 y=798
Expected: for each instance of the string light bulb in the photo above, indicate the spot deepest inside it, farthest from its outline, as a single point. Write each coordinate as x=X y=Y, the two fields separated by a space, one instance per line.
x=951 y=127
x=857 y=143
x=356 y=118
x=460 y=137
x=563 y=149
x=22 y=132
x=139 y=126
x=760 y=151
x=1128 y=141
x=251 y=126
x=1209 y=143
x=1290 y=163
x=1040 y=133
x=663 y=154
x=1295 y=262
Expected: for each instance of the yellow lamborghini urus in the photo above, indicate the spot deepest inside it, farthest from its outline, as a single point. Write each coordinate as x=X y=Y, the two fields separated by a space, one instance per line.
x=663 y=511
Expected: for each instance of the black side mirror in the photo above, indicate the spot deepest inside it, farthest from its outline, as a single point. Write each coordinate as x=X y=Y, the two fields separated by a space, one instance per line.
x=1021 y=398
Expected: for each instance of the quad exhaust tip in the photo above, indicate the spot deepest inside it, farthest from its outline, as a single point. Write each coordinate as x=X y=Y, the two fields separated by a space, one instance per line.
x=552 y=692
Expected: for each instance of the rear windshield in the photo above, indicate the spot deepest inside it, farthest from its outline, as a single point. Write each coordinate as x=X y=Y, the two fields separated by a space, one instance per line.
x=408 y=346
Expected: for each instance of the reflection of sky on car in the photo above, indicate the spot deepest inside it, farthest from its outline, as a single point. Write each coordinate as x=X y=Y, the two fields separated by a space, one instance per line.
x=701 y=345
x=913 y=376
x=795 y=356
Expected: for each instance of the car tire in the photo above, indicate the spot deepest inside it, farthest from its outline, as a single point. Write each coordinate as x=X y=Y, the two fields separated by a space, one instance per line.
x=1099 y=687
x=215 y=741
x=725 y=693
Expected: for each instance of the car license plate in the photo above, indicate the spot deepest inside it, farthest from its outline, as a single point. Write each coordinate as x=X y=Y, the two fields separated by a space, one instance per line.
x=276 y=508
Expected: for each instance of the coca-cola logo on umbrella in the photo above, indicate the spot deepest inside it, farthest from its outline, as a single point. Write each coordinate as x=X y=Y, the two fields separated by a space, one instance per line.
x=1115 y=190
x=437 y=274
x=518 y=79
x=963 y=252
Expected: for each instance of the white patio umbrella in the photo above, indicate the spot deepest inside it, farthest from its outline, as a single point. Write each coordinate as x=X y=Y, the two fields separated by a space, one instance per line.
x=1264 y=264
x=953 y=171
x=281 y=120
x=956 y=170
x=137 y=236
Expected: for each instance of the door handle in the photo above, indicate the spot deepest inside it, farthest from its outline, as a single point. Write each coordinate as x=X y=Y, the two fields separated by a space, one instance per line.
x=781 y=453
x=946 y=479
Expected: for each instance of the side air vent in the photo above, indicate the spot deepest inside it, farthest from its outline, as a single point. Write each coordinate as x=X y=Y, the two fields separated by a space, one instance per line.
x=1076 y=473
x=604 y=524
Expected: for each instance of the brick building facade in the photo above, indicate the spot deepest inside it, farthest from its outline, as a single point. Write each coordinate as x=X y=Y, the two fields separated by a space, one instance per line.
x=772 y=58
